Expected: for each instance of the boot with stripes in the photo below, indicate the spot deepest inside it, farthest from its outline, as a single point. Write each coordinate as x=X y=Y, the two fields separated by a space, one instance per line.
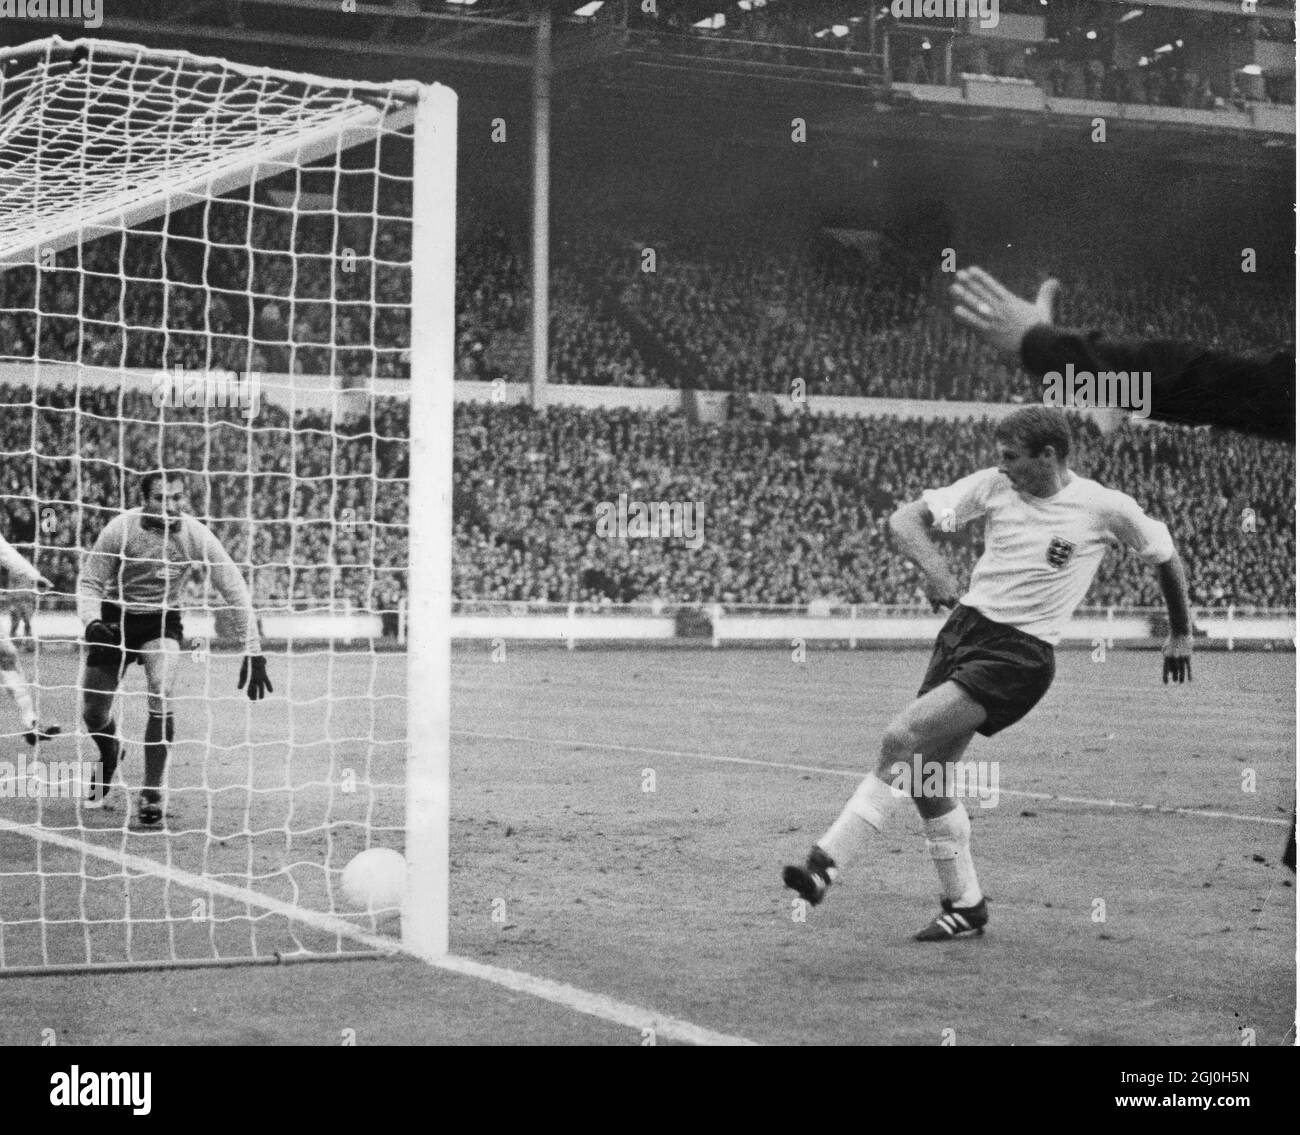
x=956 y=922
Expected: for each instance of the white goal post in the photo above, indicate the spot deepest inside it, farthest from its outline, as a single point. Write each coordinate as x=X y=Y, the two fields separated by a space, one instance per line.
x=175 y=229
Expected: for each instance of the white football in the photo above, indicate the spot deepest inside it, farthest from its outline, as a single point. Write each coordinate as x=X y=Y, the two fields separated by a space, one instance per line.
x=375 y=879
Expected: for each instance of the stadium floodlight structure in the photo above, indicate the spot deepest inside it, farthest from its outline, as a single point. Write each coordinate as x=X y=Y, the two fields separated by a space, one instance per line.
x=246 y=275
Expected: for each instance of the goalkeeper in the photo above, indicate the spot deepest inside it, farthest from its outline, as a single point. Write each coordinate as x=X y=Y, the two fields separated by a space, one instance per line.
x=127 y=597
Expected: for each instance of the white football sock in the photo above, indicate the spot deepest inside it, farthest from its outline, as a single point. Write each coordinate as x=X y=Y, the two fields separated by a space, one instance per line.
x=947 y=839
x=16 y=684
x=865 y=812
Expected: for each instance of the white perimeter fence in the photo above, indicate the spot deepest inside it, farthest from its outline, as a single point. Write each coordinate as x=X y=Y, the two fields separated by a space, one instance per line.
x=853 y=625
x=713 y=624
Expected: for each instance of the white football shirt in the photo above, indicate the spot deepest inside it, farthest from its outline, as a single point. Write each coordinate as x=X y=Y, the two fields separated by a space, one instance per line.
x=1041 y=553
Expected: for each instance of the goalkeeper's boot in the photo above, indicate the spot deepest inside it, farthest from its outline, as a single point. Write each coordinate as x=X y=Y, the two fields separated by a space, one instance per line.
x=39 y=733
x=956 y=922
x=148 y=809
x=814 y=878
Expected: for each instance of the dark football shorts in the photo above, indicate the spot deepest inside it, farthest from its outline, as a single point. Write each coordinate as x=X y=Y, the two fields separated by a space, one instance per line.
x=137 y=630
x=1003 y=669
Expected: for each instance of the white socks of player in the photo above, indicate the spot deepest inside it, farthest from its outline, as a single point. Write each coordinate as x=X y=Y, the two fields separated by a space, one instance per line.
x=16 y=684
x=866 y=811
x=947 y=839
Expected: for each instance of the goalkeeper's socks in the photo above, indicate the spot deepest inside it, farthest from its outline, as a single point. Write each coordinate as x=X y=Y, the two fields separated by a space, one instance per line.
x=110 y=748
x=18 y=689
x=159 y=729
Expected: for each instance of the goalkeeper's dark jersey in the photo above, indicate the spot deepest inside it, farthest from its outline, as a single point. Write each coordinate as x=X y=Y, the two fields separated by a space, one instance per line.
x=142 y=568
x=1189 y=384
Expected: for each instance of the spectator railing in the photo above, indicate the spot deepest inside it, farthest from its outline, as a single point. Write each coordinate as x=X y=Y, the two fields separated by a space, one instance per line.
x=714 y=624
x=829 y=621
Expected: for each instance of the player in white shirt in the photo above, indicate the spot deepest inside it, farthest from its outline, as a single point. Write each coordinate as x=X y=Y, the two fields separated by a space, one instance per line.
x=1045 y=532
x=128 y=598
x=11 y=671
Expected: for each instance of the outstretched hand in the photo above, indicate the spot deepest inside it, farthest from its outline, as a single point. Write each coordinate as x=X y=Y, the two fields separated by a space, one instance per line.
x=997 y=315
x=1178 y=659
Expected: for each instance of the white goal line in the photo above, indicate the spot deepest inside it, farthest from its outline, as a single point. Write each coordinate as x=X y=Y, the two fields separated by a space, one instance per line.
x=857 y=774
x=559 y=993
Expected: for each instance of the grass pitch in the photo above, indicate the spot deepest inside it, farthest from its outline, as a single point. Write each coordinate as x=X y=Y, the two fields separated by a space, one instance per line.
x=619 y=820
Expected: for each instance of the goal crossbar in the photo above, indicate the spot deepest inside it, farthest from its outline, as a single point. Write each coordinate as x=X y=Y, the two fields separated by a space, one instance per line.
x=29 y=229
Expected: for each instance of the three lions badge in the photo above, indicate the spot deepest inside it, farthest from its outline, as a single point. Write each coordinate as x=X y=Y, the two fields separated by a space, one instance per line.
x=1059 y=552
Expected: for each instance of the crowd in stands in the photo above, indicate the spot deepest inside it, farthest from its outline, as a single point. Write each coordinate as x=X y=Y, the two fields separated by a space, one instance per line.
x=247 y=287
x=753 y=317
x=491 y=293
x=792 y=509
x=750 y=314
x=317 y=509
x=267 y=289
x=587 y=345
x=739 y=315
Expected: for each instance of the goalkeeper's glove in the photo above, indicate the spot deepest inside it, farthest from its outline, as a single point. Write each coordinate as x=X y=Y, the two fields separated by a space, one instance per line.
x=100 y=633
x=1178 y=659
x=253 y=674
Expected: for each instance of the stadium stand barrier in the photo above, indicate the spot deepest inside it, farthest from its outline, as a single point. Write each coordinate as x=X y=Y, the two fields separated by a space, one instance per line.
x=851 y=624
x=572 y=624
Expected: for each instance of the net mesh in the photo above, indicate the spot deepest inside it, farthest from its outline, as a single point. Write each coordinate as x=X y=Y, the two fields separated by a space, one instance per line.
x=209 y=272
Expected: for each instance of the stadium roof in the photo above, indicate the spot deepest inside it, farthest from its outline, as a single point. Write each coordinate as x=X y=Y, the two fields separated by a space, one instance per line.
x=610 y=56
x=495 y=33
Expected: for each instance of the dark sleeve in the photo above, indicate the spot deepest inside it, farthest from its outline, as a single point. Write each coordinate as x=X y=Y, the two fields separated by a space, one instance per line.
x=1189 y=384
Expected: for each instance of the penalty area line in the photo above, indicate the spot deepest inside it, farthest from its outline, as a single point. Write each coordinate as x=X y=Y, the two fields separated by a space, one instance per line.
x=567 y=996
x=787 y=766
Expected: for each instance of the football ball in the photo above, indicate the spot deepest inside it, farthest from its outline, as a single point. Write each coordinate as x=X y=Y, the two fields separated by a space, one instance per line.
x=375 y=879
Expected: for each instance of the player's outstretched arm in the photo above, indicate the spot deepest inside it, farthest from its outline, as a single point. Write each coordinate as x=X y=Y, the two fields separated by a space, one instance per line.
x=100 y=568
x=225 y=574
x=1189 y=384
x=1178 y=647
x=910 y=527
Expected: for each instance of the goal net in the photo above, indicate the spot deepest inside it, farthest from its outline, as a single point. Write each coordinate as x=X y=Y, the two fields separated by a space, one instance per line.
x=244 y=276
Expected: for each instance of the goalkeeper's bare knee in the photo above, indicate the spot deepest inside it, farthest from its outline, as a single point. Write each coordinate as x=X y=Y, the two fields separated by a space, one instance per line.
x=97 y=719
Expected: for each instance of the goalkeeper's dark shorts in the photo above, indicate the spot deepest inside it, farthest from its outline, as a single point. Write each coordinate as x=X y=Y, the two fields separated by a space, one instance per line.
x=1003 y=669
x=136 y=630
